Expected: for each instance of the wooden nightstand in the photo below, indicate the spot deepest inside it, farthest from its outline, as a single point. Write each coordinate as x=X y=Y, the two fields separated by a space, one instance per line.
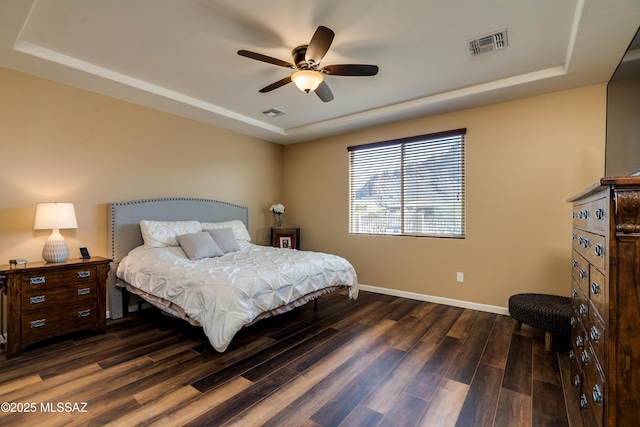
x=45 y=300
x=285 y=237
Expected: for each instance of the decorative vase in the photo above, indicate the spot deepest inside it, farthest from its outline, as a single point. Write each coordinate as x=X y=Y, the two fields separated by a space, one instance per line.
x=278 y=220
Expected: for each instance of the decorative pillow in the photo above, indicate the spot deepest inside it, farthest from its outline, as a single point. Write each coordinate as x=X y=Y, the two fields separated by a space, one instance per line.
x=239 y=229
x=160 y=234
x=199 y=245
x=225 y=239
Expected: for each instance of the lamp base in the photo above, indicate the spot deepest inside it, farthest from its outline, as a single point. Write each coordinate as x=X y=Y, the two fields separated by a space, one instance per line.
x=55 y=248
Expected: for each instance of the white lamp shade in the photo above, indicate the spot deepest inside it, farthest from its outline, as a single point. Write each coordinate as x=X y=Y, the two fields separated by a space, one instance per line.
x=55 y=215
x=307 y=80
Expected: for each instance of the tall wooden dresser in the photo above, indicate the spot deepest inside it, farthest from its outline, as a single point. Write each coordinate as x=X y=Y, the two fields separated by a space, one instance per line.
x=605 y=338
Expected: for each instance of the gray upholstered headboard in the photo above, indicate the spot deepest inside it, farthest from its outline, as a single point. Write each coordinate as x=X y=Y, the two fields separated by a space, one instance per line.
x=125 y=235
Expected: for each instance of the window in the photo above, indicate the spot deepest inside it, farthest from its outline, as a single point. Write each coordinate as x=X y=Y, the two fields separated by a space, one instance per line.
x=411 y=186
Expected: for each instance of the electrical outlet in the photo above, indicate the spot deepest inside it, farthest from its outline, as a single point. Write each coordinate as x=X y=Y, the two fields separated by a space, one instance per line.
x=460 y=277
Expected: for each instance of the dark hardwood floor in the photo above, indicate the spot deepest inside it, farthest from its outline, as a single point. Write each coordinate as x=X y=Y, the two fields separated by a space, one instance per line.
x=380 y=360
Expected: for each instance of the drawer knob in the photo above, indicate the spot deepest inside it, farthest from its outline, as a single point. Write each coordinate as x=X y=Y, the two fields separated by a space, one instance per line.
x=583 y=309
x=583 y=273
x=37 y=323
x=574 y=293
x=597 y=394
x=575 y=263
x=595 y=288
x=37 y=280
x=37 y=299
x=572 y=321
x=84 y=313
x=572 y=355
x=84 y=291
x=600 y=213
x=599 y=250
x=576 y=380
x=584 y=402
x=585 y=357
x=84 y=274
x=595 y=335
x=579 y=342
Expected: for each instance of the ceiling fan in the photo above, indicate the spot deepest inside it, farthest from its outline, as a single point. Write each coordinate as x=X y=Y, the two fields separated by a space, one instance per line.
x=306 y=60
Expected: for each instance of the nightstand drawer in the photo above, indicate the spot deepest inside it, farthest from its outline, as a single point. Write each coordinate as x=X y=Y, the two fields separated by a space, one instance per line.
x=44 y=279
x=56 y=297
x=59 y=321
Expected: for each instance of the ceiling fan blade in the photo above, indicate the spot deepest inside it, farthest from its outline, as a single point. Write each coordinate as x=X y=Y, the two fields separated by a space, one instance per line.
x=276 y=85
x=351 y=70
x=323 y=92
x=265 y=58
x=319 y=45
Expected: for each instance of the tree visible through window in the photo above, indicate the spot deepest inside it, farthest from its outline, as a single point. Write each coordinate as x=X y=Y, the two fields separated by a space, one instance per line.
x=411 y=186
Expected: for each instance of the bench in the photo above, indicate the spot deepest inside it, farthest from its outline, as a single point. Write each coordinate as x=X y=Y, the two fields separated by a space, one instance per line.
x=551 y=313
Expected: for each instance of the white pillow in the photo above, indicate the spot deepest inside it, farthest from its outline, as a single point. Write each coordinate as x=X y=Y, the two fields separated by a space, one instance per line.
x=160 y=234
x=239 y=229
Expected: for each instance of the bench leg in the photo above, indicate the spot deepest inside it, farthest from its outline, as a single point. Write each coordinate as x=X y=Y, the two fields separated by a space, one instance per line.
x=548 y=341
x=517 y=325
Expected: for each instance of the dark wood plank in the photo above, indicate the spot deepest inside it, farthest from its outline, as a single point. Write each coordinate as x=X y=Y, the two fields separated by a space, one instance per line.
x=548 y=405
x=428 y=378
x=466 y=362
x=518 y=371
x=482 y=398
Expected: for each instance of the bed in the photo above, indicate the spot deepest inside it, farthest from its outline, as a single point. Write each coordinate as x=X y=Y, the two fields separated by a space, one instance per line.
x=161 y=252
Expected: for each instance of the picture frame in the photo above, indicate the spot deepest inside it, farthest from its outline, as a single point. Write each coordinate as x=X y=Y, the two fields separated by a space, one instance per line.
x=288 y=238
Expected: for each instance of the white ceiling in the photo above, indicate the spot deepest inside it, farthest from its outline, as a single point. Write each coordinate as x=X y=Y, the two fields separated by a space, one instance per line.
x=180 y=56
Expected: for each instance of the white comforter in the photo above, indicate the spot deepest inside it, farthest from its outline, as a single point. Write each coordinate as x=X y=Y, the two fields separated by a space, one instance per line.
x=224 y=294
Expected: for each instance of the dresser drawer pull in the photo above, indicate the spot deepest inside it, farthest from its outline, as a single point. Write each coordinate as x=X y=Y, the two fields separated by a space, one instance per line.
x=595 y=288
x=84 y=291
x=599 y=250
x=595 y=334
x=575 y=263
x=84 y=313
x=84 y=274
x=600 y=213
x=582 y=310
x=583 y=273
x=585 y=357
x=574 y=293
x=584 y=242
x=37 y=323
x=36 y=300
x=37 y=280
x=572 y=355
x=572 y=322
x=597 y=394
x=574 y=236
x=576 y=380
x=584 y=402
x=579 y=342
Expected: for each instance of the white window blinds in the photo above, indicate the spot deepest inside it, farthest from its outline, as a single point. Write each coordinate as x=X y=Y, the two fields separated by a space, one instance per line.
x=412 y=186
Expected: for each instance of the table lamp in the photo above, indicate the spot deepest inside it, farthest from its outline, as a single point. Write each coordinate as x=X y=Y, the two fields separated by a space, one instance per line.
x=55 y=216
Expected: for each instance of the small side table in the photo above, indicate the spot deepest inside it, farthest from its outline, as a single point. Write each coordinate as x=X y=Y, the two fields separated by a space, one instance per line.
x=285 y=237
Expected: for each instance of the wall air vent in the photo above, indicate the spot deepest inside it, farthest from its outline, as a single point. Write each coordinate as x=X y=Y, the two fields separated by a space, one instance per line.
x=273 y=112
x=487 y=43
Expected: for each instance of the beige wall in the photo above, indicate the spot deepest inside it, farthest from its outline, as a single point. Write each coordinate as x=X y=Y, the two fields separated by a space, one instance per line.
x=524 y=159
x=60 y=143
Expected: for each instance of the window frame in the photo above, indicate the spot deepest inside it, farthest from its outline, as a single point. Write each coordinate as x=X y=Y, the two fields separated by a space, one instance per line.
x=457 y=218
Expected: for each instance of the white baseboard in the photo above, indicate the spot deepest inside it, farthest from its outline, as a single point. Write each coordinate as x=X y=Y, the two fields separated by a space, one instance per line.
x=438 y=300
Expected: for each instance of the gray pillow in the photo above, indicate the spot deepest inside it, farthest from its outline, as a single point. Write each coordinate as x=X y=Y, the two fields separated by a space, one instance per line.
x=225 y=239
x=199 y=245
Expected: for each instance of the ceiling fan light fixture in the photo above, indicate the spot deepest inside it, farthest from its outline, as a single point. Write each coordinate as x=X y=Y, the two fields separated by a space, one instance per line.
x=307 y=80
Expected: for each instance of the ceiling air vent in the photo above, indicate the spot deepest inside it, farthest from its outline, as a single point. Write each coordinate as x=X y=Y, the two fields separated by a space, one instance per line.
x=487 y=43
x=273 y=112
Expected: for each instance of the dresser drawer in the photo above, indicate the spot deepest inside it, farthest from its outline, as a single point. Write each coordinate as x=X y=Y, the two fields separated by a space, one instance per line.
x=55 y=297
x=45 y=279
x=59 y=321
x=591 y=246
x=595 y=329
x=591 y=215
x=580 y=272
x=597 y=291
x=592 y=394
